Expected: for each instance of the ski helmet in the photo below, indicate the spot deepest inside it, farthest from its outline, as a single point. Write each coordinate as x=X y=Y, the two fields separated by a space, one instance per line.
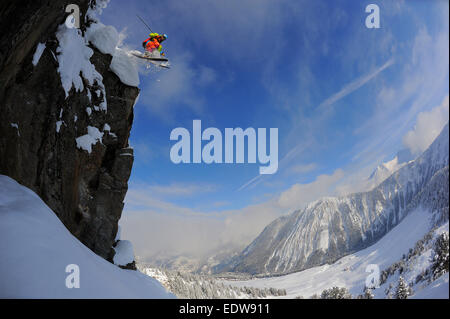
x=165 y=36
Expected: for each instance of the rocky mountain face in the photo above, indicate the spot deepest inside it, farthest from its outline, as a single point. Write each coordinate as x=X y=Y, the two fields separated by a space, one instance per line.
x=40 y=123
x=331 y=228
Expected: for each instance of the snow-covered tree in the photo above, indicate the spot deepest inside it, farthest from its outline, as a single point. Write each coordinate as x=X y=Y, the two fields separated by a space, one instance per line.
x=336 y=293
x=368 y=294
x=194 y=286
x=440 y=259
x=403 y=290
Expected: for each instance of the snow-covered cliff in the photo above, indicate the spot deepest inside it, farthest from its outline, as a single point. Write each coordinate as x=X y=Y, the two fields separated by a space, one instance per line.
x=66 y=104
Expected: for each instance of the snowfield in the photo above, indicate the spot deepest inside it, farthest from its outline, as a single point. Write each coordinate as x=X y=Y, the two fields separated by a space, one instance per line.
x=36 y=248
x=350 y=271
x=438 y=289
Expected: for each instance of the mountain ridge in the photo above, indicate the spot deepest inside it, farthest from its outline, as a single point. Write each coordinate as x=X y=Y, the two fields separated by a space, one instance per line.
x=332 y=227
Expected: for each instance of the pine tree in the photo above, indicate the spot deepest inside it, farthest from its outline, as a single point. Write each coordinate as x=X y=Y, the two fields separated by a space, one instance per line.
x=368 y=294
x=336 y=293
x=403 y=290
x=441 y=258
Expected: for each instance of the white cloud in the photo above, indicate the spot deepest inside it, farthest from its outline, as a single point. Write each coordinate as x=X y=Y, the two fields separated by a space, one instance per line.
x=173 y=189
x=300 y=194
x=159 y=227
x=422 y=79
x=427 y=128
x=303 y=168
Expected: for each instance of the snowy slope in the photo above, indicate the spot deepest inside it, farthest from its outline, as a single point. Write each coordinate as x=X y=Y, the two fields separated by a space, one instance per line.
x=36 y=248
x=330 y=228
x=350 y=271
x=436 y=290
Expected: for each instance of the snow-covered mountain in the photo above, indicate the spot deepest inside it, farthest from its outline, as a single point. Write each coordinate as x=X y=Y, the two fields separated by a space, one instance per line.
x=384 y=170
x=330 y=228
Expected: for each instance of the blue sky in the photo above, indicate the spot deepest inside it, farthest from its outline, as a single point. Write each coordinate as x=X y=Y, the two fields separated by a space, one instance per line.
x=342 y=96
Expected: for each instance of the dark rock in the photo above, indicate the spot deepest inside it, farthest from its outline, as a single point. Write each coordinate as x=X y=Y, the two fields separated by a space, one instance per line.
x=130 y=266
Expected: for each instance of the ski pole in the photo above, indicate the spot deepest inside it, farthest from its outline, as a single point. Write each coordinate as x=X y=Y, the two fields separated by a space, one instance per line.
x=144 y=23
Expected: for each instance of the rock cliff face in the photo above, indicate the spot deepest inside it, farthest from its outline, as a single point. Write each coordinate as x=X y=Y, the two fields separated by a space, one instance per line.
x=39 y=124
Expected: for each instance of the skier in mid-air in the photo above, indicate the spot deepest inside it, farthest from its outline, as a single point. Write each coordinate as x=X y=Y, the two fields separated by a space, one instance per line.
x=153 y=48
x=153 y=44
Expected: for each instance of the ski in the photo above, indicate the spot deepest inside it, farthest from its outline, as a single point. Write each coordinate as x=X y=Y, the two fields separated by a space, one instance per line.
x=150 y=58
x=158 y=64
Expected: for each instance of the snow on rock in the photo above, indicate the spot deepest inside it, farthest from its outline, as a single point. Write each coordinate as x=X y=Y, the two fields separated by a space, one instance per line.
x=136 y=100
x=36 y=249
x=16 y=126
x=103 y=105
x=119 y=231
x=104 y=38
x=73 y=59
x=38 y=53
x=93 y=136
x=124 y=253
x=97 y=10
x=58 y=126
x=122 y=65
